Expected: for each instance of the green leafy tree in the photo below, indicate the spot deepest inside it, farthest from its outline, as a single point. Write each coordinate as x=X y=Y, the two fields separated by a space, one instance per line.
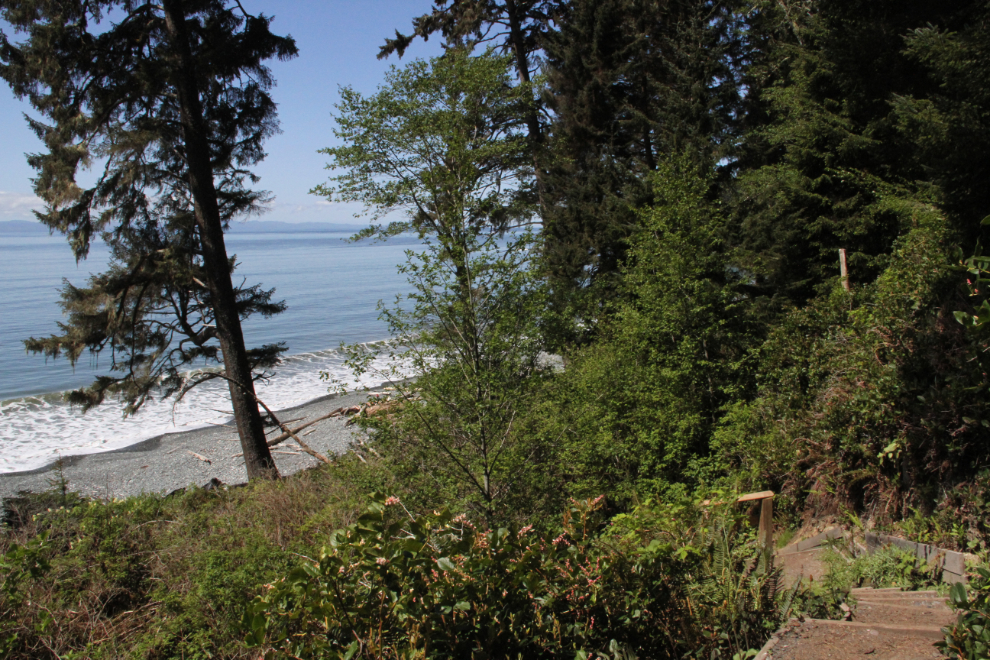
x=638 y=407
x=513 y=27
x=442 y=143
x=874 y=399
x=947 y=122
x=169 y=104
x=866 y=131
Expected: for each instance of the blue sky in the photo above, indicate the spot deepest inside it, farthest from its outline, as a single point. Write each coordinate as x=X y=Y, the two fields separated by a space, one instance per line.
x=338 y=43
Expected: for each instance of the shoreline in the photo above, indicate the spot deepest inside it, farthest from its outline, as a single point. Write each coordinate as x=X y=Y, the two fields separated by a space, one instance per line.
x=40 y=426
x=171 y=461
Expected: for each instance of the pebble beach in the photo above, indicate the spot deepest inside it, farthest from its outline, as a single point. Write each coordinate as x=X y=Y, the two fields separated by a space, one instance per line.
x=175 y=460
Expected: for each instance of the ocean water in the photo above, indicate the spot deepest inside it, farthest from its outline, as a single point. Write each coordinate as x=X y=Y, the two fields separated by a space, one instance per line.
x=332 y=288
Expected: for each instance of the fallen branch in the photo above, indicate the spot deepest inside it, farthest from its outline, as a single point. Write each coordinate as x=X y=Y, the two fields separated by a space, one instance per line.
x=285 y=436
x=306 y=448
x=312 y=452
x=289 y=421
x=286 y=431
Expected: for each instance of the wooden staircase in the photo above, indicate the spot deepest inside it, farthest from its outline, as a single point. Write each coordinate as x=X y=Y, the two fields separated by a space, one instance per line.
x=886 y=624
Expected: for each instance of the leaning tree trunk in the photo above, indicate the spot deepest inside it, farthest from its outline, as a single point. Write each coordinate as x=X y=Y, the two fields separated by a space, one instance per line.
x=257 y=456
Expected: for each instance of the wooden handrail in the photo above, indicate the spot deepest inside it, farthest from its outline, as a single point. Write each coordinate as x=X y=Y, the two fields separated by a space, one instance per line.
x=762 y=495
x=766 y=513
x=749 y=497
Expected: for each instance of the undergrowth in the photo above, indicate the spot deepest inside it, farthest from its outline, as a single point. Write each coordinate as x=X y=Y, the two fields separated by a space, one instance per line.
x=887 y=567
x=664 y=581
x=969 y=638
x=152 y=576
x=207 y=574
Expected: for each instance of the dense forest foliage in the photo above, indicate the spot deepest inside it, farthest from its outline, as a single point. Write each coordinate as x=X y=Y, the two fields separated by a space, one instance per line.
x=695 y=170
x=657 y=192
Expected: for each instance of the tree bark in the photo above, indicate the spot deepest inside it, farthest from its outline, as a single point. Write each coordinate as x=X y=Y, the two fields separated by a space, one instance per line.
x=257 y=456
x=532 y=117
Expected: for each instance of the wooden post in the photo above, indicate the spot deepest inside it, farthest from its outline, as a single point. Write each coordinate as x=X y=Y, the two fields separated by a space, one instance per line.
x=766 y=522
x=843 y=271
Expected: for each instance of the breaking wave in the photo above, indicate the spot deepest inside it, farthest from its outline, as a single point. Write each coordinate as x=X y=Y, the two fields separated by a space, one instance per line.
x=36 y=430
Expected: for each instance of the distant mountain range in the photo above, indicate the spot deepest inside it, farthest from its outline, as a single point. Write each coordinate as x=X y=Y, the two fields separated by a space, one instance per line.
x=275 y=227
x=24 y=228
x=8 y=227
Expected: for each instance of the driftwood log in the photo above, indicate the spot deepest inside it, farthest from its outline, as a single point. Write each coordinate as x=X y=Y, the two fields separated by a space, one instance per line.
x=367 y=410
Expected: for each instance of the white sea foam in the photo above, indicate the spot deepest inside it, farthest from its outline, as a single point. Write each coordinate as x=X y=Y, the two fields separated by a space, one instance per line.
x=36 y=430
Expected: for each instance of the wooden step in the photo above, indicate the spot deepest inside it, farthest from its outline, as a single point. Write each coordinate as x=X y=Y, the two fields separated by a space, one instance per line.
x=917 y=614
x=862 y=592
x=908 y=606
x=930 y=632
x=895 y=600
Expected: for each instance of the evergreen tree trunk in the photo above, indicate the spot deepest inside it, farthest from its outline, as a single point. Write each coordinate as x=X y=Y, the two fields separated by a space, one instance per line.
x=533 y=127
x=257 y=456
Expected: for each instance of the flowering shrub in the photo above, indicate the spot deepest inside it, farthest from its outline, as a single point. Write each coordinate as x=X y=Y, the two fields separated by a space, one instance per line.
x=394 y=585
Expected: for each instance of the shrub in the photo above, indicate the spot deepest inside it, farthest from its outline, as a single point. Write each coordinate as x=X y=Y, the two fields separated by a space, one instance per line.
x=892 y=567
x=664 y=581
x=870 y=400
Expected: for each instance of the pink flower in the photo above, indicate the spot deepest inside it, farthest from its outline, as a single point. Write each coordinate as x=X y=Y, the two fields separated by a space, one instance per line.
x=392 y=501
x=381 y=561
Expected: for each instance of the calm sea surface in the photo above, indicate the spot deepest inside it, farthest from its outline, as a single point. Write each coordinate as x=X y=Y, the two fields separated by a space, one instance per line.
x=332 y=289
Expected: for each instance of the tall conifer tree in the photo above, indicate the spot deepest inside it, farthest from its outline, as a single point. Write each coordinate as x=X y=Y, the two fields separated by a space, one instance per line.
x=631 y=81
x=170 y=104
x=825 y=162
x=947 y=121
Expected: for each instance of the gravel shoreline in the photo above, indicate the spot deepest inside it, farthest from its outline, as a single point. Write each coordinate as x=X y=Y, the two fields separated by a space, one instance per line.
x=167 y=462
